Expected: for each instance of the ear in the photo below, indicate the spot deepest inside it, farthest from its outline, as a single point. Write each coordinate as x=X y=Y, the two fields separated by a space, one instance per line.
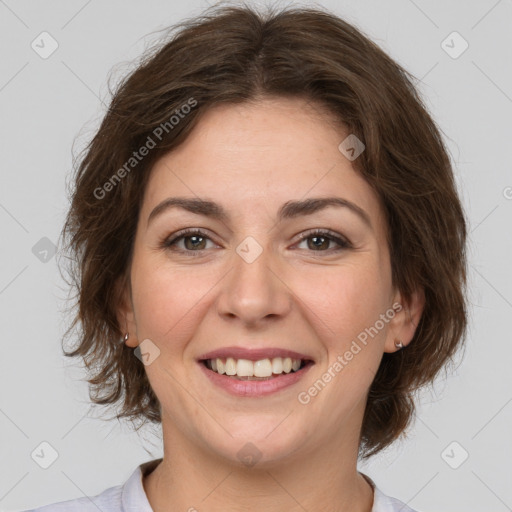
x=125 y=314
x=405 y=321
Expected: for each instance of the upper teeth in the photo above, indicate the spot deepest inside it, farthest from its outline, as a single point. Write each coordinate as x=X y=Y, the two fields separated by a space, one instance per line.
x=247 y=368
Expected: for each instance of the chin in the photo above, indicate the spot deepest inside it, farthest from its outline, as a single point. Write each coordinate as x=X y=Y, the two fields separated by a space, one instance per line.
x=260 y=444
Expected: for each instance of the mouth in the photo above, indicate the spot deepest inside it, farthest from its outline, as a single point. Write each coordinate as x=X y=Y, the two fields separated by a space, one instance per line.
x=256 y=372
x=260 y=370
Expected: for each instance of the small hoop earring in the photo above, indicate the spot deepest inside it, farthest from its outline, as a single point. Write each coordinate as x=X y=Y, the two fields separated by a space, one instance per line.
x=399 y=345
x=126 y=336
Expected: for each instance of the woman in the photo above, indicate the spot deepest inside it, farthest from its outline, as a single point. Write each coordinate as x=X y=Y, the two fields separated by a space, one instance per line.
x=270 y=257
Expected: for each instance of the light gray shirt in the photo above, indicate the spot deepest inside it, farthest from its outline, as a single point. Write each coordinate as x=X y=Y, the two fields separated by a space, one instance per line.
x=131 y=497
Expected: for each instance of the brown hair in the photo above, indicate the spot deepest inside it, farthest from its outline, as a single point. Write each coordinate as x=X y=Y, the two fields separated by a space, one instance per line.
x=236 y=54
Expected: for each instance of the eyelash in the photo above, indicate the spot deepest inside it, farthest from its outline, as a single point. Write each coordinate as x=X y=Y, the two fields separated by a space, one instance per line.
x=168 y=243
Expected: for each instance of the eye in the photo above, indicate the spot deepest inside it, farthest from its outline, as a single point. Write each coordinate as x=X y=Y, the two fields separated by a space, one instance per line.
x=321 y=238
x=194 y=240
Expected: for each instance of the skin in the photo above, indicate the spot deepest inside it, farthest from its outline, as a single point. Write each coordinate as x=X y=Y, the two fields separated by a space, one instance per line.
x=251 y=158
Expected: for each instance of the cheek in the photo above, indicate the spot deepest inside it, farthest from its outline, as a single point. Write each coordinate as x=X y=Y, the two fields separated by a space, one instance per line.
x=168 y=301
x=349 y=300
x=352 y=308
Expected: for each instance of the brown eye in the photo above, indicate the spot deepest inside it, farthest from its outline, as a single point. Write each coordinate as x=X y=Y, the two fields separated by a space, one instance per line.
x=319 y=240
x=194 y=242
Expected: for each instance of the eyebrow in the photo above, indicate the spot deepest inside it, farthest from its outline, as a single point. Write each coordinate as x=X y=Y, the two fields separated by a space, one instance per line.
x=289 y=210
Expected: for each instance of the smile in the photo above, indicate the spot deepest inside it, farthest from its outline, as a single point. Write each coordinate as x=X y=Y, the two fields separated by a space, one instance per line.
x=254 y=373
x=245 y=369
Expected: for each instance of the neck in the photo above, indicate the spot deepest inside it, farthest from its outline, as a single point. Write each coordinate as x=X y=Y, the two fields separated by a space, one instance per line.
x=315 y=480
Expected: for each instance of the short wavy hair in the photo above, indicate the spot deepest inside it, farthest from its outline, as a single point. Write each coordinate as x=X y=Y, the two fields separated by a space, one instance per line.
x=229 y=55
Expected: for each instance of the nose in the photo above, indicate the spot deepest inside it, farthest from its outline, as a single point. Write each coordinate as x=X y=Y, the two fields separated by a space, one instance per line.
x=255 y=291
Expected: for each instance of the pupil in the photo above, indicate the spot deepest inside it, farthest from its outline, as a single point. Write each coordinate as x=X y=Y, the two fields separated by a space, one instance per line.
x=194 y=244
x=318 y=238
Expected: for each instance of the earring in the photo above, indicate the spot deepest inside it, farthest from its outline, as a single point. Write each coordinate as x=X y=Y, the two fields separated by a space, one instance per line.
x=399 y=345
x=126 y=336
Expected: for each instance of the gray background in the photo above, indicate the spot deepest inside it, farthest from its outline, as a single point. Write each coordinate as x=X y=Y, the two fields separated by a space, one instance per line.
x=46 y=105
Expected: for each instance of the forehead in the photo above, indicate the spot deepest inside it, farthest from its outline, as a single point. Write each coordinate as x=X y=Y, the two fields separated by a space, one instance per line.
x=260 y=154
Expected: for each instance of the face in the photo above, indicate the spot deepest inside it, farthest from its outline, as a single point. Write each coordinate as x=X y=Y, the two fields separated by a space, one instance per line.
x=261 y=283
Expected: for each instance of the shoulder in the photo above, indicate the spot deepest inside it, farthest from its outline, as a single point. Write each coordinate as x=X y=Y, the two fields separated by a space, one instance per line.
x=384 y=503
x=108 y=501
x=127 y=496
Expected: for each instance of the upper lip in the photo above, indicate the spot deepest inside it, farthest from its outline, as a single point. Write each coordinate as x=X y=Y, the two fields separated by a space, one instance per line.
x=253 y=354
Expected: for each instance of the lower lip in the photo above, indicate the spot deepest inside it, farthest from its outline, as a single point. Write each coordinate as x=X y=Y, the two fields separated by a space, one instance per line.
x=255 y=388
